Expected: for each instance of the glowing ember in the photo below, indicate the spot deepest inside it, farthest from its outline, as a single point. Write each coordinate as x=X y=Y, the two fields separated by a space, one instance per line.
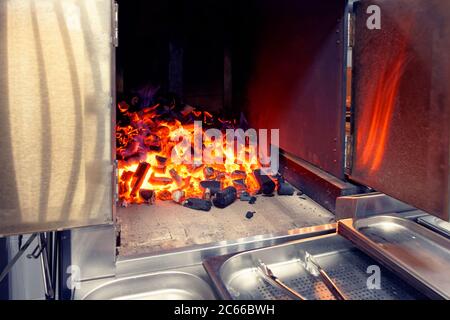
x=158 y=149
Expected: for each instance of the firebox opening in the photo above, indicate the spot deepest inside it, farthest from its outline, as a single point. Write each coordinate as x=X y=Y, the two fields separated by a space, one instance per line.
x=225 y=65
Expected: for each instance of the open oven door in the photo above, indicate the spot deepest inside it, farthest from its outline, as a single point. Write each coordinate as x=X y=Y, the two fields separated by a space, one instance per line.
x=56 y=114
x=401 y=101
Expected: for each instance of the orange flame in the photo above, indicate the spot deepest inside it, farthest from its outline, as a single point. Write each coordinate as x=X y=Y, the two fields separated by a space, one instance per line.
x=149 y=139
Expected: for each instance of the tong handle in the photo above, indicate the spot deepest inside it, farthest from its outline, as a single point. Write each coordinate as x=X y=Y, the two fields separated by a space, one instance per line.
x=332 y=286
x=288 y=289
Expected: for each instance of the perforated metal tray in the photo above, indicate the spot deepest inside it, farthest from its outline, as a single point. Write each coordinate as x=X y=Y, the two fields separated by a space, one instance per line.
x=237 y=278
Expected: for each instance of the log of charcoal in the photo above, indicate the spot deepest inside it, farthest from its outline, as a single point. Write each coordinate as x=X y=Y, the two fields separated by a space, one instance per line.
x=161 y=165
x=197 y=204
x=126 y=176
x=176 y=177
x=238 y=174
x=266 y=185
x=285 y=189
x=162 y=161
x=159 y=181
x=164 y=195
x=123 y=188
x=147 y=195
x=212 y=185
x=208 y=172
x=220 y=175
x=138 y=178
x=239 y=184
x=153 y=141
x=225 y=197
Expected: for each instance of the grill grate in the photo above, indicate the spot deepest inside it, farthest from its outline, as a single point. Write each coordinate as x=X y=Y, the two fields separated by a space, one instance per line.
x=347 y=269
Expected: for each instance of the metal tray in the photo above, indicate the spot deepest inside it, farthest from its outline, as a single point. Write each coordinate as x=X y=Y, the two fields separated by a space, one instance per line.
x=157 y=286
x=235 y=276
x=419 y=255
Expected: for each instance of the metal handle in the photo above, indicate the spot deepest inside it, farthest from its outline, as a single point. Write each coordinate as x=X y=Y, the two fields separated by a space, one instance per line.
x=331 y=285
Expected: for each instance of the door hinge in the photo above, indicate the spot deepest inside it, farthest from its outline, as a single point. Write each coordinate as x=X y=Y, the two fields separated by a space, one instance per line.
x=115 y=36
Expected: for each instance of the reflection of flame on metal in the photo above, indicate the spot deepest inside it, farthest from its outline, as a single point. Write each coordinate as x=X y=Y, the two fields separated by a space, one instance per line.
x=379 y=114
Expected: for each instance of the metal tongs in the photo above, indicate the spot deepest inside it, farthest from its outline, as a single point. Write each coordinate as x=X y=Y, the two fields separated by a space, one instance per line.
x=311 y=265
x=273 y=280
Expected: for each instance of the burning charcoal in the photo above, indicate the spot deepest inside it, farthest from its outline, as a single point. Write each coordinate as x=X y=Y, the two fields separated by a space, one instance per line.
x=245 y=196
x=198 y=204
x=162 y=161
x=152 y=141
x=147 y=195
x=266 y=185
x=194 y=168
x=225 y=197
x=126 y=176
x=178 y=196
x=220 y=175
x=213 y=186
x=209 y=172
x=238 y=174
x=160 y=170
x=138 y=178
x=176 y=177
x=159 y=181
x=285 y=189
x=252 y=200
x=164 y=195
x=239 y=184
x=250 y=214
x=123 y=188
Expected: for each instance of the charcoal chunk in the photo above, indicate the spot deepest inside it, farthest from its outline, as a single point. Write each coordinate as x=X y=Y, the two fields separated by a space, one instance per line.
x=208 y=172
x=285 y=189
x=225 y=197
x=266 y=185
x=252 y=200
x=249 y=214
x=213 y=186
x=245 y=196
x=147 y=195
x=238 y=174
x=197 y=204
x=239 y=184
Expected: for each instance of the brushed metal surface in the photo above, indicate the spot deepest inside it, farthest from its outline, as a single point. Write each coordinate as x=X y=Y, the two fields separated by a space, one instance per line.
x=236 y=277
x=55 y=114
x=186 y=260
x=402 y=102
x=419 y=255
x=158 y=286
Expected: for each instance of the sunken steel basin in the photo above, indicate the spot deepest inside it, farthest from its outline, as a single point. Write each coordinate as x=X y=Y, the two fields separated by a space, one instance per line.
x=236 y=277
x=170 y=285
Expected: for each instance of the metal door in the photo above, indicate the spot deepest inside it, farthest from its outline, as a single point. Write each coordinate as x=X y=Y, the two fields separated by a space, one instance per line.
x=56 y=114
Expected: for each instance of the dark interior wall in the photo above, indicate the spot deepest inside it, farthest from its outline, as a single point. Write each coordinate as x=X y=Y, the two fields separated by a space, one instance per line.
x=177 y=44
